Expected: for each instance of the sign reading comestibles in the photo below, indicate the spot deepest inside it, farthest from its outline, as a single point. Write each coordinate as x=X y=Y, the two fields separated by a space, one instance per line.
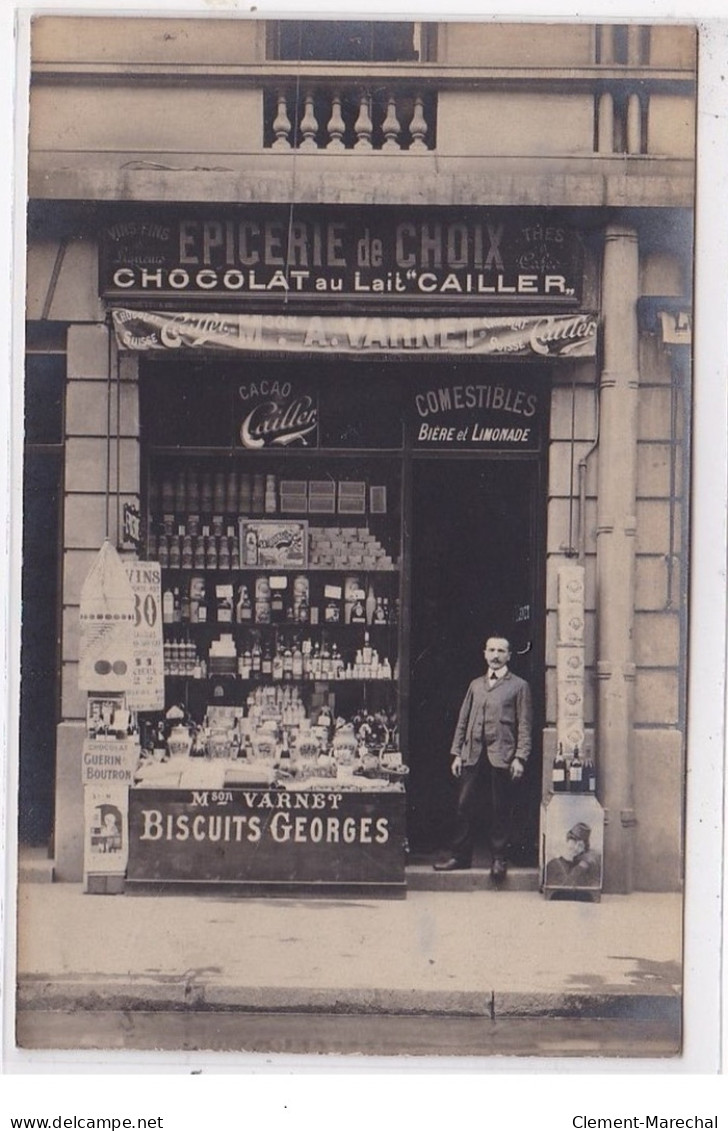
x=501 y=413
x=262 y=835
x=501 y=256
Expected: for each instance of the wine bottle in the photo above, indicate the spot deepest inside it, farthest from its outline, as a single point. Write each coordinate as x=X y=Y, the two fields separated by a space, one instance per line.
x=231 y=494
x=271 y=504
x=558 y=772
x=576 y=772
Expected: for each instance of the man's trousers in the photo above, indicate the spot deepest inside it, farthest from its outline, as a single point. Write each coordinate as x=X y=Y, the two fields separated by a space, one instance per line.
x=500 y=796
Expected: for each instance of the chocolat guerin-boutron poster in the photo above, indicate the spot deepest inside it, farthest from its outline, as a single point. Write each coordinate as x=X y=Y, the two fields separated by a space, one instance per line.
x=356 y=571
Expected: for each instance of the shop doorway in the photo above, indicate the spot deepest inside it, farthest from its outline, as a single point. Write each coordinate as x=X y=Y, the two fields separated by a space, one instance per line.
x=476 y=569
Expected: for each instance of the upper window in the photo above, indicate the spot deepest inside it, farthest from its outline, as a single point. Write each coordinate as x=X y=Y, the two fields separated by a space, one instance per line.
x=351 y=41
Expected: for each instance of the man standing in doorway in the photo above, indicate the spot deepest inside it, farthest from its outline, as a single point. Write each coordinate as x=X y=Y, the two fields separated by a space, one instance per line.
x=492 y=737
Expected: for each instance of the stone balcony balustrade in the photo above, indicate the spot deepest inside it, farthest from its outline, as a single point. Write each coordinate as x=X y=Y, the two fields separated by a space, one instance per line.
x=337 y=117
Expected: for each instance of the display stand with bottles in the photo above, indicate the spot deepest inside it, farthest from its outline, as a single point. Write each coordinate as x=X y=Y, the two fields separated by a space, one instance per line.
x=277 y=760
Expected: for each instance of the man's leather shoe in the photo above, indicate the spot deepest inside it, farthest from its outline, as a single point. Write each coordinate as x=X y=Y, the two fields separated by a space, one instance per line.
x=498 y=870
x=451 y=865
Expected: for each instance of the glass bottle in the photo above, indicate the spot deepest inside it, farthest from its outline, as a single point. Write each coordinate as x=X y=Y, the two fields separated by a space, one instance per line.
x=244 y=608
x=187 y=552
x=193 y=491
x=180 y=493
x=258 y=497
x=576 y=772
x=244 y=494
x=206 y=492
x=271 y=503
x=297 y=662
x=358 y=612
x=256 y=659
x=276 y=606
x=558 y=772
x=231 y=493
x=380 y=614
x=278 y=671
x=218 y=492
x=370 y=605
x=175 y=556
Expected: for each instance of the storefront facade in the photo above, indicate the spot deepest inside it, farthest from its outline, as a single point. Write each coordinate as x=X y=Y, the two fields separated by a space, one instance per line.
x=466 y=351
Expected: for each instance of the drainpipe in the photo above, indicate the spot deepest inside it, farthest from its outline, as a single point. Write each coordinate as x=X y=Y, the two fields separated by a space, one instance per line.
x=616 y=530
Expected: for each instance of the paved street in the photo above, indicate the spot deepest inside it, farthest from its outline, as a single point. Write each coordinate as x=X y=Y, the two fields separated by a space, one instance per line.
x=473 y=972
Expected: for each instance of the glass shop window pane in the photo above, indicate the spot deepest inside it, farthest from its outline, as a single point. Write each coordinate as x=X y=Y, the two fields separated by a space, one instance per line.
x=44 y=382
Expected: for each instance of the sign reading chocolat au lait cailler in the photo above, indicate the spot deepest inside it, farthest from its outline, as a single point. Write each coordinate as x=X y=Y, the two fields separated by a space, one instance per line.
x=480 y=256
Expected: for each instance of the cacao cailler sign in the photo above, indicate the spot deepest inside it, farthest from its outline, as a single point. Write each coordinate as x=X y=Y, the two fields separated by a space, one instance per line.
x=266 y=836
x=276 y=414
x=492 y=256
x=501 y=413
x=537 y=336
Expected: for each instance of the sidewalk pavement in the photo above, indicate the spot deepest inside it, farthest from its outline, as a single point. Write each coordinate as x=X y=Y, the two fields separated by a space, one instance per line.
x=482 y=953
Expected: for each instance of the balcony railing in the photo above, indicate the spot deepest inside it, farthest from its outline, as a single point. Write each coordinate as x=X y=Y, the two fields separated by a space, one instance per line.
x=337 y=118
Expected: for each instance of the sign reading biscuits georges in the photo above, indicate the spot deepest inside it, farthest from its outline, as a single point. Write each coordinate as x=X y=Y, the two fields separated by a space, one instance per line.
x=261 y=835
x=498 y=256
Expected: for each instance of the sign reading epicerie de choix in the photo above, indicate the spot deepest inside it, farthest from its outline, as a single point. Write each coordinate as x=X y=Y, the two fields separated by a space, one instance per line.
x=498 y=256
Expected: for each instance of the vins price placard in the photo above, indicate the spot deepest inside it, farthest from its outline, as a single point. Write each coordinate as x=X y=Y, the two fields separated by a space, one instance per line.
x=146 y=686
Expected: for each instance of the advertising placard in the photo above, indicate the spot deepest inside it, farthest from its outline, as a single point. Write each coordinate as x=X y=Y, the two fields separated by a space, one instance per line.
x=109 y=761
x=266 y=836
x=572 y=845
x=106 y=646
x=276 y=414
x=146 y=686
x=106 y=841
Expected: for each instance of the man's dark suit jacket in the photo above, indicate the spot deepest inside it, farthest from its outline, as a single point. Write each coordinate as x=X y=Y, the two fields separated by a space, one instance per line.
x=506 y=714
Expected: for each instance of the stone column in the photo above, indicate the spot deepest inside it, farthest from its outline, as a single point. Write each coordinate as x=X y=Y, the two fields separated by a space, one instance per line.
x=616 y=529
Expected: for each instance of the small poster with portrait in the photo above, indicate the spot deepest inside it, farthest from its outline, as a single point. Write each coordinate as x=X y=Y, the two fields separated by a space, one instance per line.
x=572 y=847
x=106 y=842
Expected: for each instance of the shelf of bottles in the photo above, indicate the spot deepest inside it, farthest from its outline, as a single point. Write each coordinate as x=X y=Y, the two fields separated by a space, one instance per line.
x=315 y=635
x=573 y=772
